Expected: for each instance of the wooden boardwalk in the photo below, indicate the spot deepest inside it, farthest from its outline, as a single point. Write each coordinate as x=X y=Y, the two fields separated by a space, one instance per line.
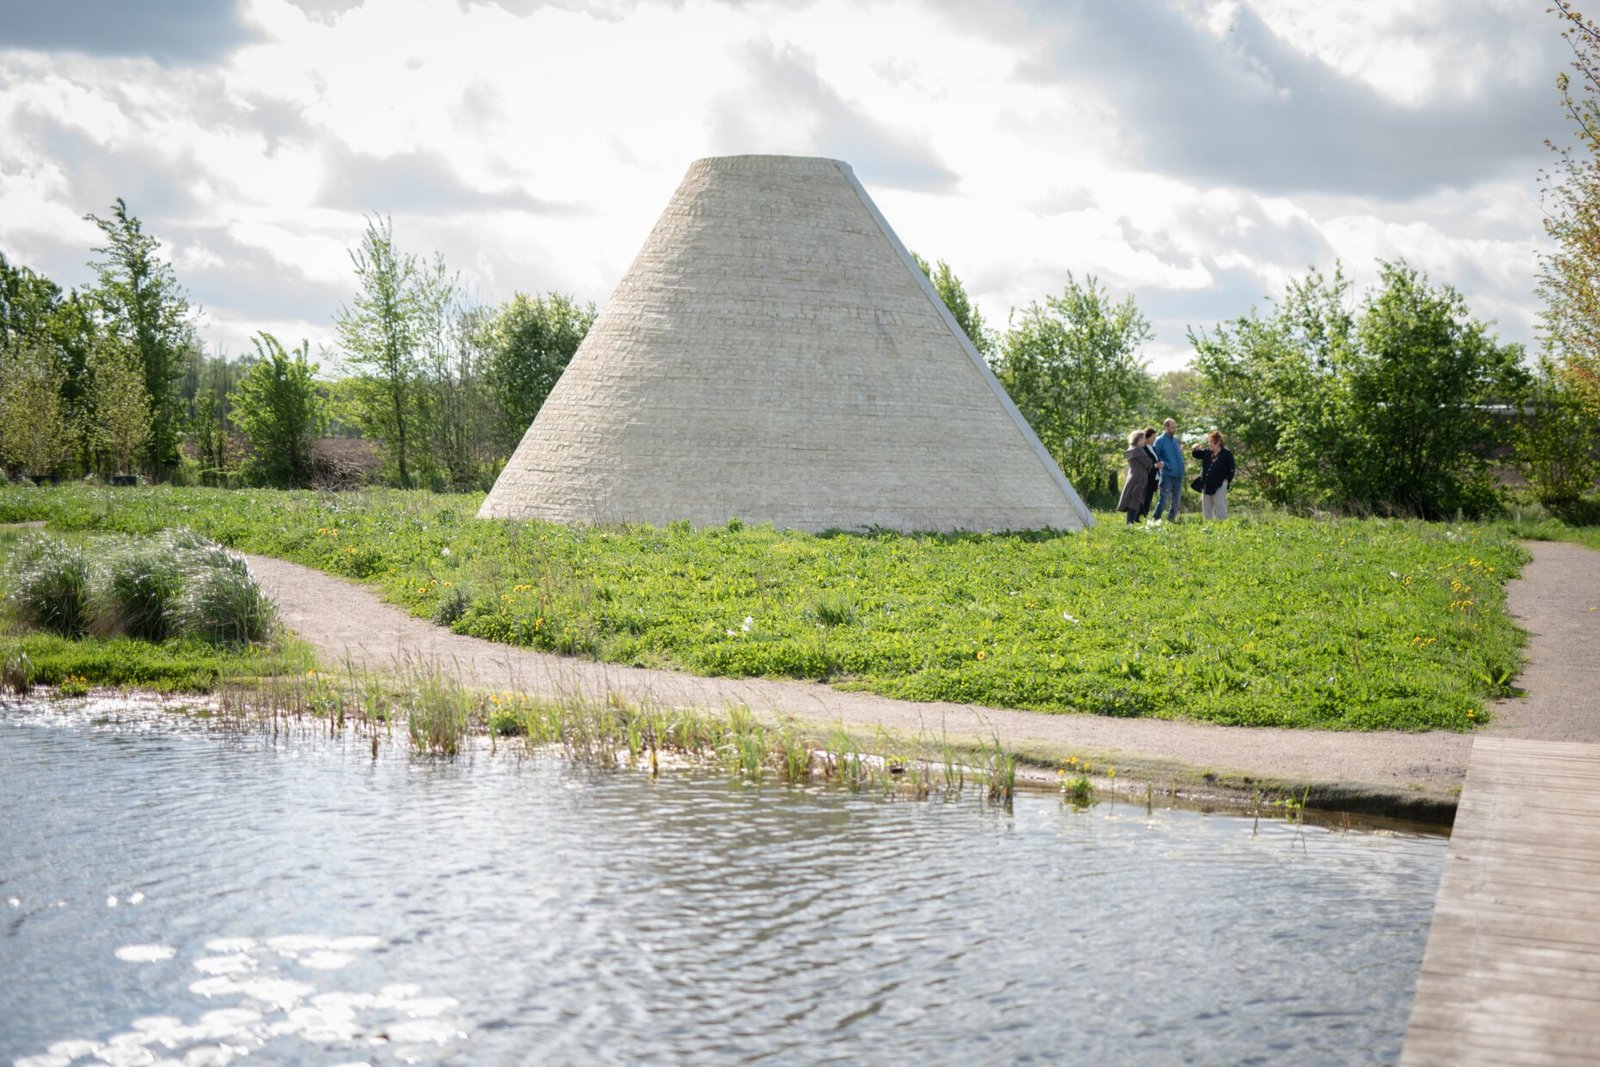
x=1512 y=969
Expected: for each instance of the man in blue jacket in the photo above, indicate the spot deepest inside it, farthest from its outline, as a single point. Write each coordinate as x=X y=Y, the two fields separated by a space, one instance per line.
x=1169 y=450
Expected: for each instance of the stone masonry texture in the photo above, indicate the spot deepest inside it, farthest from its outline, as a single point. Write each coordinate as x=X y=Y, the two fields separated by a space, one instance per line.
x=773 y=355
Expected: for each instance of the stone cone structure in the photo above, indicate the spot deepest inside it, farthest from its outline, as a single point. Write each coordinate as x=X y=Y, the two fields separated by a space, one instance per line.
x=774 y=355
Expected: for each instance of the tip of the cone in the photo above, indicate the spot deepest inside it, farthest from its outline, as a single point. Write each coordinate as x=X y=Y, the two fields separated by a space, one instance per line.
x=769 y=162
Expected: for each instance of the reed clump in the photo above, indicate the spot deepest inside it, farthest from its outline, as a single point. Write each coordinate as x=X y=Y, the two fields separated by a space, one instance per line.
x=441 y=717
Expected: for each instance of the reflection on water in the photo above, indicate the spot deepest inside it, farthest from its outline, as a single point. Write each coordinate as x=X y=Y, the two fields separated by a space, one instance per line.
x=172 y=891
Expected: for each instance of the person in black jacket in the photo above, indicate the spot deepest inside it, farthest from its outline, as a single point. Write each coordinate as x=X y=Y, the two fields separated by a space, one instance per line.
x=1216 y=474
x=1150 y=490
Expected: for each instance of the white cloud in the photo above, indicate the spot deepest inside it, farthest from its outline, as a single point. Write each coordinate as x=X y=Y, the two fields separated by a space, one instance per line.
x=535 y=147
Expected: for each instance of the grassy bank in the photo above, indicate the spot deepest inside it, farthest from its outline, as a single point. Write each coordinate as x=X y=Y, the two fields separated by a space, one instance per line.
x=1347 y=624
x=184 y=666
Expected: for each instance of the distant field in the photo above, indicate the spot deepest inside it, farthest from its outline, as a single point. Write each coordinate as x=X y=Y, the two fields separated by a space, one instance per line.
x=1347 y=624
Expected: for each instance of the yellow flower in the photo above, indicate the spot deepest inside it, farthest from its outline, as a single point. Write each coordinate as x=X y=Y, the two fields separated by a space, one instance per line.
x=982 y=654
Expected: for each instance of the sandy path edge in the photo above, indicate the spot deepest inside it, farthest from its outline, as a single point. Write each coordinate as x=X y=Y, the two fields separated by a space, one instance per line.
x=1414 y=775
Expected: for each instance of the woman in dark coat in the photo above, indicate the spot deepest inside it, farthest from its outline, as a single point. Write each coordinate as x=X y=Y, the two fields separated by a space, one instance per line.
x=1216 y=474
x=1141 y=471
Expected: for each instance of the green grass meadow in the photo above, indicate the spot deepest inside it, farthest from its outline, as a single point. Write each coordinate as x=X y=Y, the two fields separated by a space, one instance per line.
x=1262 y=620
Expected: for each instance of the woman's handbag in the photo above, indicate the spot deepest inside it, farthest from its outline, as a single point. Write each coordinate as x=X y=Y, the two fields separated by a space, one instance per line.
x=1199 y=483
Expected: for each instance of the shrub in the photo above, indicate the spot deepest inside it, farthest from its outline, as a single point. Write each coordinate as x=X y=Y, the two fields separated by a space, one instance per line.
x=50 y=586
x=451 y=607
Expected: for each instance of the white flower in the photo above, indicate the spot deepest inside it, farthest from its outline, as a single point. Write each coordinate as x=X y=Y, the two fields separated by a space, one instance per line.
x=1068 y=616
x=444 y=552
x=749 y=621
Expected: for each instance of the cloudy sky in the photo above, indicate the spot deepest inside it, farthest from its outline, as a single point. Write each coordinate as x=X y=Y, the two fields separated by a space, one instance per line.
x=1195 y=154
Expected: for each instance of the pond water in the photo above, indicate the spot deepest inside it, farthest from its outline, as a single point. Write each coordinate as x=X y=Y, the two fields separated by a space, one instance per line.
x=175 y=891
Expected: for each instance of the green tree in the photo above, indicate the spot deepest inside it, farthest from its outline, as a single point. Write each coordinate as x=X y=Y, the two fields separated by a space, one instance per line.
x=278 y=409
x=1429 y=389
x=961 y=308
x=28 y=303
x=34 y=433
x=119 y=427
x=1396 y=406
x=529 y=343
x=1274 y=385
x=206 y=388
x=463 y=421
x=35 y=312
x=1558 y=443
x=1073 y=369
x=379 y=333
x=213 y=444
x=1569 y=276
x=1175 y=394
x=341 y=401
x=142 y=305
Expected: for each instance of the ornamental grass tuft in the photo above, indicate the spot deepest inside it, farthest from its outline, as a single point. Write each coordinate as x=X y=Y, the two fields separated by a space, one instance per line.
x=141 y=595
x=178 y=586
x=49 y=584
x=223 y=606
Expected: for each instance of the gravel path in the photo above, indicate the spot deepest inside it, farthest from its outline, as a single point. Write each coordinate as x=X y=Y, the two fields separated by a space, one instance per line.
x=1557 y=600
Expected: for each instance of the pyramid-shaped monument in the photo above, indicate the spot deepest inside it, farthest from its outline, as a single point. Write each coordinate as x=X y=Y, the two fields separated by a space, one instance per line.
x=775 y=355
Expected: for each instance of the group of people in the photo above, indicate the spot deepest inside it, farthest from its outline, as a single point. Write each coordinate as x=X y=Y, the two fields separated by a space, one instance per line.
x=1155 y=464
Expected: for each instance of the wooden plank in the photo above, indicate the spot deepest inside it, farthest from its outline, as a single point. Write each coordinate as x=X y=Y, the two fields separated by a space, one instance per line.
x=1511 y=974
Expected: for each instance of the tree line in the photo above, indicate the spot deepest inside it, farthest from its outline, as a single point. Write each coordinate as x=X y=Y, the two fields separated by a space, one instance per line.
x=1398 y=401
x=112 y=379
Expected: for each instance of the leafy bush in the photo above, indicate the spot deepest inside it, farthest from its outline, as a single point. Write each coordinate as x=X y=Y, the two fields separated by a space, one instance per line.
x=1558 y=443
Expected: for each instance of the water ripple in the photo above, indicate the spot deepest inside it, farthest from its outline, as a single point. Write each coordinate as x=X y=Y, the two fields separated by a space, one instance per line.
x=179 y=889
